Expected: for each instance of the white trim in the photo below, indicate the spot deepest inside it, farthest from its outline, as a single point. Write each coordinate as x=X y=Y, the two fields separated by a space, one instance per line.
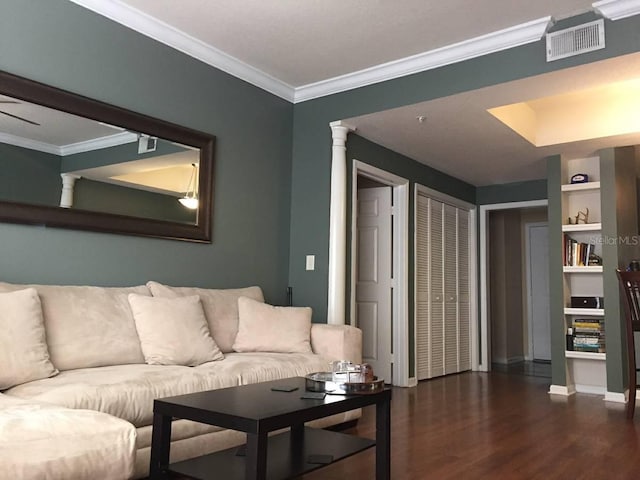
x=475 y=47
x=562 y=390
x=121 y=138
x=29 y=143
x=160 y=31
x=400 y=313
x=616 y=397
x=338 y=225
x=63 y=150
x=617 y=9
x=484 y=360
x=473 y=277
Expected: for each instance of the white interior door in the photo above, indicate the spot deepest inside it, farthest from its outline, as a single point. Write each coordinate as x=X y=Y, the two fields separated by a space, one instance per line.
x=539 y=291
x=373 y=278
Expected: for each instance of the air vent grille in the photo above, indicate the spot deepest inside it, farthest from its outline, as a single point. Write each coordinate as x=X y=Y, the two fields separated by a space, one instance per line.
x=575 y=40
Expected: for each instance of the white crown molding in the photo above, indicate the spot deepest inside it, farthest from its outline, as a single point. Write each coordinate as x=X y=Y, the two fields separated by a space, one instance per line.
x=164 y=33
x=63 y=150
x=617 y=9
x=98 y=143
x=151 y=27
x=28 y=143
x=475 y=47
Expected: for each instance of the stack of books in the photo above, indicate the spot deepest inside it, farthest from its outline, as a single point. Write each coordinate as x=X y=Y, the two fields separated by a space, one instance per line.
x=576 y=254
x=586 y=335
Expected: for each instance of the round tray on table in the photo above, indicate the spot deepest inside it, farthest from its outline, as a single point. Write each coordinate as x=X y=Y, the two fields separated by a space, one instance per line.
x=323 y=382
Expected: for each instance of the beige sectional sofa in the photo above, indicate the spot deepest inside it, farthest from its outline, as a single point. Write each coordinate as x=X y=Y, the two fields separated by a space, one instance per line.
x=85 y=411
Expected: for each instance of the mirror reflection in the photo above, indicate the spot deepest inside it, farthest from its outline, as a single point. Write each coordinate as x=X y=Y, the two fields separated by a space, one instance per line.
x=52 y=158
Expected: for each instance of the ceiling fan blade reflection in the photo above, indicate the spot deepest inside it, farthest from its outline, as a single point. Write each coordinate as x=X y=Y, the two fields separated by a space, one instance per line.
x=19 y=118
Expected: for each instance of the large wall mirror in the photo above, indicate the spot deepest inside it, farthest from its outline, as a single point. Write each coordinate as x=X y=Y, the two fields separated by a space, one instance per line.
x=72 y=162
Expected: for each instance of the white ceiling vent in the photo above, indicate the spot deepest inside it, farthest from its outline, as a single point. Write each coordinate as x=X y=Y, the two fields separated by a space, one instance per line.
x=575 y=40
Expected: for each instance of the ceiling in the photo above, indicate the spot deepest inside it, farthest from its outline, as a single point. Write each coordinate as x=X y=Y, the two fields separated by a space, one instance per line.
x=302 y=50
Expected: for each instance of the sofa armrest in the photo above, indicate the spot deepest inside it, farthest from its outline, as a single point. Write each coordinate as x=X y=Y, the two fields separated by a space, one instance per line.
x=337 y=342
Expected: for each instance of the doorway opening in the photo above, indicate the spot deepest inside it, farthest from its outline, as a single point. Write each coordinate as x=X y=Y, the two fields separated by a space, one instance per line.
x=518 y=286
x=379 y=270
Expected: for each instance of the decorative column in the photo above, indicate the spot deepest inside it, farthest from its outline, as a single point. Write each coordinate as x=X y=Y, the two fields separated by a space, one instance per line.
x=68 y=182
x=338 y=224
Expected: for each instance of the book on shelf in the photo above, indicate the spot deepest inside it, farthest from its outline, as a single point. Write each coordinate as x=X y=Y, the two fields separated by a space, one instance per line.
x=586 y=335
x=576 y=254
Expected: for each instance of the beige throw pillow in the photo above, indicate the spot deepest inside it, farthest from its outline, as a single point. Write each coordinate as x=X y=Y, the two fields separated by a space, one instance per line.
x=265 y=328
x=24 y=355
x=173 y=331
x=220 y=307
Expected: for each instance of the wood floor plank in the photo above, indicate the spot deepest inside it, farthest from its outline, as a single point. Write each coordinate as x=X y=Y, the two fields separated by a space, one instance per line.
x=498 y=426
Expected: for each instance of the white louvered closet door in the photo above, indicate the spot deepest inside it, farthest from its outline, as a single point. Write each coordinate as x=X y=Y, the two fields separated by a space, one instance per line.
x=442 y=288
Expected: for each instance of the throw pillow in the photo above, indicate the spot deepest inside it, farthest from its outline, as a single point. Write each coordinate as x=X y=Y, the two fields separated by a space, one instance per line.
x=24 y=355
x=220 y=307
x=265 y=328
x=173 y=331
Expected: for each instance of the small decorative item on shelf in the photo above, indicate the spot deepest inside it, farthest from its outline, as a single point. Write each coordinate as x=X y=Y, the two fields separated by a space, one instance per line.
x=581 y=217
x=580 y=178
x=595 y=260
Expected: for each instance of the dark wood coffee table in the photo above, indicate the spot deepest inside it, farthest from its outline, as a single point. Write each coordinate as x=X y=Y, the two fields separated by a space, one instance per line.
x=257 y=410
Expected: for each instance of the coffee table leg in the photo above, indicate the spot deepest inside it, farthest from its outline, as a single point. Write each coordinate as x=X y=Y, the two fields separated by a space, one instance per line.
x=256 y=459
x=383 y=439
x=160 y=445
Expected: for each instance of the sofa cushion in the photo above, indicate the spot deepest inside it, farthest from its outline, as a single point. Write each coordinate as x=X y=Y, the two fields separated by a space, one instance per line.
x=88 y=326
x=128 y=391
x=265 y=328
x=220 y=308
x=47 y=442
x=173 y=331
x=23 y=347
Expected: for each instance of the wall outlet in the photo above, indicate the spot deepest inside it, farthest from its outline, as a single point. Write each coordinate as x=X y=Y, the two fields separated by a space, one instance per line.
x=311 y=262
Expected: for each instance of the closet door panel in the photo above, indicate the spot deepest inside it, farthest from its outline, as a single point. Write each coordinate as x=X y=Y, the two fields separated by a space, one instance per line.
x=423 y=335
x=436 y=290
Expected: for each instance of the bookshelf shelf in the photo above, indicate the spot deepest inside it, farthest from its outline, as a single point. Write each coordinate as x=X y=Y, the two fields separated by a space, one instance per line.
x=582 y=242
x=589 y=269
x=586 y=312
x=582 y=227
x=585 y=355
x=580 y=187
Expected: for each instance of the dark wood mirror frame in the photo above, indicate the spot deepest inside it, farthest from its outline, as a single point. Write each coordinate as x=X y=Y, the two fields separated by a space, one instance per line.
x=51 y=97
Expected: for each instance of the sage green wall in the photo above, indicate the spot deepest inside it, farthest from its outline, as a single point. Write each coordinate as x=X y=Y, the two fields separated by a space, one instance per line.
x=512 y=192
x=62 y=44
x=110 y=198
x=29 y=176
x=620 y=234
x=556 y=277
x=310 y=191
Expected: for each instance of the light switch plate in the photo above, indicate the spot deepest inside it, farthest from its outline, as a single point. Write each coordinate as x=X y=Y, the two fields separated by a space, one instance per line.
x=311 y=262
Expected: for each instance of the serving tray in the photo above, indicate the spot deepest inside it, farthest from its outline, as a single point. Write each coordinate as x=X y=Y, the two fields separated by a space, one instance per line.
x=323 y=382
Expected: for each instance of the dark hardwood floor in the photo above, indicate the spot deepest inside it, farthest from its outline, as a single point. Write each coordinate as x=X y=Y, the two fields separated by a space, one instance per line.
x=498 y=426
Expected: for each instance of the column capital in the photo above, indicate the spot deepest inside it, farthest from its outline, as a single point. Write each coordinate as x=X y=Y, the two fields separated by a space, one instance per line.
x=339 y=131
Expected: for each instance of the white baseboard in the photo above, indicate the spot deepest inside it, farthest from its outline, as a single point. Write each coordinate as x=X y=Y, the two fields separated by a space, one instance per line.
x=562 y=390
x=413 y=382
x=616 y=397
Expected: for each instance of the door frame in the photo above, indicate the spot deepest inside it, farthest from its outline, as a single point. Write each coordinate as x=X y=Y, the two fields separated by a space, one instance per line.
x=527 y=247
x=473 y=261
x=482 y=358
x=400 y=251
